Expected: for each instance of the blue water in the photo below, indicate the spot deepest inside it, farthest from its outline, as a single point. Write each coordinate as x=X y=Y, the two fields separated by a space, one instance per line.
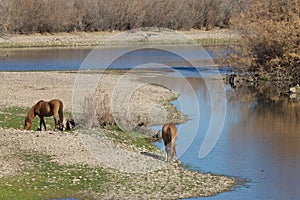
x=98 y=58
x=42 y=59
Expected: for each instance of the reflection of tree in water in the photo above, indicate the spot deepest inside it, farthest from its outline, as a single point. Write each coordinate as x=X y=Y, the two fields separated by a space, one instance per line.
x=265 y=110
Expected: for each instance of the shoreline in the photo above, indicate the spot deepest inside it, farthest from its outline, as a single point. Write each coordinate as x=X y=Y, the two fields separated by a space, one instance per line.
x=138 y=36
x=67 y=149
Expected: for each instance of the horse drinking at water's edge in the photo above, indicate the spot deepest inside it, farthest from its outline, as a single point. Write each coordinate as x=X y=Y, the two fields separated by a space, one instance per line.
x=169 y=135
x=45 y=109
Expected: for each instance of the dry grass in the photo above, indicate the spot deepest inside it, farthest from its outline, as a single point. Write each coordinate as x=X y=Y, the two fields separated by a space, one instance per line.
x=104 y=113
x=88 y=116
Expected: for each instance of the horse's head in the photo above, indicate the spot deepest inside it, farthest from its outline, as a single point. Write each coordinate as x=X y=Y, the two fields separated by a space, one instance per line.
x=27 y=124
x=30 y=116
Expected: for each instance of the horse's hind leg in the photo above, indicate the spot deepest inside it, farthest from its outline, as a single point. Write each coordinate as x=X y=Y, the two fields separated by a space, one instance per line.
x=61 y=118
x=168 y=152
x=55 y=121
x=167 y=156
x=173 y=151
x=58 y=112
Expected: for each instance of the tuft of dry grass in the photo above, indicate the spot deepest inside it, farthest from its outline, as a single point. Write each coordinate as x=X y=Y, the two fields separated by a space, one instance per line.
x=104 y=113
x=88 y=116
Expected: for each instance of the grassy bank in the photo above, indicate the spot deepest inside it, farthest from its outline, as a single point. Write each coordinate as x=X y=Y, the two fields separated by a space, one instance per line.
x=44 y=179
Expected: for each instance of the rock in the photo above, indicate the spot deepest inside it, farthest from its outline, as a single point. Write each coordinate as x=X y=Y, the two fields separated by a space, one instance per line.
x=295 y=89
x=293 y=96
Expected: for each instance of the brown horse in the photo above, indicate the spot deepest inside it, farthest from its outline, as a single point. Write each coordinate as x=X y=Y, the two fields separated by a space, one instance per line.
x=169 y=135
x=45 y=109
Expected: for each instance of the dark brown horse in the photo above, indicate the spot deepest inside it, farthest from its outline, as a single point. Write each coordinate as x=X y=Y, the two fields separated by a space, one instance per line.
x=45 y=109
x=169 y=135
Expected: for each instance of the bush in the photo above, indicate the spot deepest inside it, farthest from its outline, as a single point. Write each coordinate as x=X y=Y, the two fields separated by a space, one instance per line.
x=29 y=16
x=270 y=44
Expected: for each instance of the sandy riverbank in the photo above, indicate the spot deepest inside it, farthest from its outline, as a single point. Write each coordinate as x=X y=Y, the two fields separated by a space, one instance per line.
x=137 y=36
x=145 y=171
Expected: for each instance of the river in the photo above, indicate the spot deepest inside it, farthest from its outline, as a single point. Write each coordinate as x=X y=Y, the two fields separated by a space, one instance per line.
x=258 y=139
x=259 y=142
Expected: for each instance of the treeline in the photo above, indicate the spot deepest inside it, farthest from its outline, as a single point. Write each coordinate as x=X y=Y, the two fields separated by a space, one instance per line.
x=29 y=16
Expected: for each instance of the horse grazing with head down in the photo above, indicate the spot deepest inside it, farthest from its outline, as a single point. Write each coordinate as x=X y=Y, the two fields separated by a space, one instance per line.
x=45 y=109
x=169 y=135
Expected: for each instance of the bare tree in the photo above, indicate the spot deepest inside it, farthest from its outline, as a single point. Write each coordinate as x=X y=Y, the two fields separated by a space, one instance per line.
x=27 y=16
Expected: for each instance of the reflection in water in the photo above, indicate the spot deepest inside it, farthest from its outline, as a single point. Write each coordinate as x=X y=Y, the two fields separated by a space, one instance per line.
x=117 y=57
x=272 y=124
x=260 y=140
x=263 y=115
x=43 y=58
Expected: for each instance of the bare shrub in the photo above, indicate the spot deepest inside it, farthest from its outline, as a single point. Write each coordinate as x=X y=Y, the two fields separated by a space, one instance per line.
x=104 y=113
x=270 y=46
x=28 y=16
x=88 y=116
x=95 y=112
x=4 y=16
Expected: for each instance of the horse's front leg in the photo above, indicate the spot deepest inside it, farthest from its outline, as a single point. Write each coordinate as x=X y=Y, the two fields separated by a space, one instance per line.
x=42 y=121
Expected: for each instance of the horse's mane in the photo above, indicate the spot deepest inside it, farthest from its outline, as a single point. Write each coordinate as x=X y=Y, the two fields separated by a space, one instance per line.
x=41 y=101
x=31 y=113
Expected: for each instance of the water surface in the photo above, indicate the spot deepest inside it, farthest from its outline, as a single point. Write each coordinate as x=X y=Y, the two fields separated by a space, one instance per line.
x=118 y=57
x=259 y=143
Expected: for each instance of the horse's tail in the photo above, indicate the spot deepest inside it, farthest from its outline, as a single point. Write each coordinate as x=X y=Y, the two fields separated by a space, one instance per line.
x=61 y=113
x=169 y=135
